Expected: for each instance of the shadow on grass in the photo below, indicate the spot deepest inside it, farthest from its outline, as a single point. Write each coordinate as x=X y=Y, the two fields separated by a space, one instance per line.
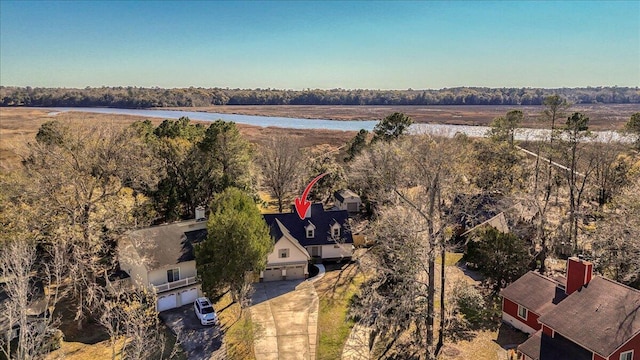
x=509 y=337
x=91 y=331
x=475 y=275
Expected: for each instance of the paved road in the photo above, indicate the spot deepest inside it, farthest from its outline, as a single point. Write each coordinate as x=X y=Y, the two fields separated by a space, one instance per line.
x=198 y=342
x=286 y=314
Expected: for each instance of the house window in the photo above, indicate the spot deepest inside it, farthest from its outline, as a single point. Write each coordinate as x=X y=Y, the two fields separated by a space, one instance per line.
x=173 y=275
x=522 y=312
x=627 y=355
x=336 y=231
x=310 y=230
x=284 y=253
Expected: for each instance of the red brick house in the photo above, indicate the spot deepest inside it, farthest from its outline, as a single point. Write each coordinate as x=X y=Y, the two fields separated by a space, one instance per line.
x=580 y=318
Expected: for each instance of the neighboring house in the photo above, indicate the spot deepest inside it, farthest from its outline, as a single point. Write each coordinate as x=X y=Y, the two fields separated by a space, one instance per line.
x=347 y=200
x=162 y=258
x=499 y=222
x=322 y=234
x=582 y=317
x=37 y=312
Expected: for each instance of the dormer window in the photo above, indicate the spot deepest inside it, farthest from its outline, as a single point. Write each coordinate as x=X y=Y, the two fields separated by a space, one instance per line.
x=335 y=229
x=310 y=230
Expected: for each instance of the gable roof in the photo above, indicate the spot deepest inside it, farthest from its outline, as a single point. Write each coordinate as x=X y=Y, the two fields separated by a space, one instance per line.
x=536 y=292
x=320 y=218
x=499 y=222
x=345 y=193
x=601 y=316
x=285 y=234
x=168 y=244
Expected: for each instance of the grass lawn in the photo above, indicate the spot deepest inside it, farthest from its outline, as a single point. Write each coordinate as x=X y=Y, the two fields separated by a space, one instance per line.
x=81 y=351
x=74 y=350
x=335 y=291
x=483 y=344
x=238 y=329
x=450 y=259
x=92 y=342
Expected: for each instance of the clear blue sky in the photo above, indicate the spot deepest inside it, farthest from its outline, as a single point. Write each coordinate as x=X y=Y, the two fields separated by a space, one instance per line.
x=297 y=45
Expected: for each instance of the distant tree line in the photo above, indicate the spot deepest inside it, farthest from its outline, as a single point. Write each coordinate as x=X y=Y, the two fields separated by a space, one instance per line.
x=137 y=97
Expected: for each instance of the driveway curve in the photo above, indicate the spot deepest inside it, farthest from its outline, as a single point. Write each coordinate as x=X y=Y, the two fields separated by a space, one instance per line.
x=286 y=315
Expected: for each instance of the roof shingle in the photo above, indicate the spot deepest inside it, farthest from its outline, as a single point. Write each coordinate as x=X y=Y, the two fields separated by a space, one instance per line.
x=541 y=346
x=601 y=316
x=168 y=244
x=536 y=292
x=320 y=218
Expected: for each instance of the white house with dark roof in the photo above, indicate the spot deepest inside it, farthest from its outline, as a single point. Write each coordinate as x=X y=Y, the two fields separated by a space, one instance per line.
x=162 y=259
x=288 y=260
x=322 y=234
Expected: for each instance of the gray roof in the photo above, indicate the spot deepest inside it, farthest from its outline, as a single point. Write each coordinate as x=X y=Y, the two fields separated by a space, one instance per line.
x=345 y=193
x=168 y=244
x=541 y=346
x=601 y=316
x=499 y=222
x=536 y=292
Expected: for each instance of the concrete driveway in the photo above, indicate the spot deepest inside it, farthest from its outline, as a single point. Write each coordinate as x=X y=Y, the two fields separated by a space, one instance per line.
x=286 y=314
x=198 y=342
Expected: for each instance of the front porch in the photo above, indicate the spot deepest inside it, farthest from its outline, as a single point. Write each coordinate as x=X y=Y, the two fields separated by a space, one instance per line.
x=173 y=285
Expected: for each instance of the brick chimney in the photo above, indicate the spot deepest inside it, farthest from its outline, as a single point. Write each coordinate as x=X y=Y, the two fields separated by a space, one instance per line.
x=579 y=273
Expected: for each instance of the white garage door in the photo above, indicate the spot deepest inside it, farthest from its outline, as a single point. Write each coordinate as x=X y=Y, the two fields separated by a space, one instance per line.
x=294 y=273
x=272 y=274
x=188 y=296
x=166 y=302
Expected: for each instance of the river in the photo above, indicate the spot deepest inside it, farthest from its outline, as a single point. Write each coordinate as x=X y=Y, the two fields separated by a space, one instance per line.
x=345 y=125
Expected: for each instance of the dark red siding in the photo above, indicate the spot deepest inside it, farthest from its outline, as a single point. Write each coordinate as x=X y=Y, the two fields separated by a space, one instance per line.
x=511 y=308
x=633 y=344
x=547 y=330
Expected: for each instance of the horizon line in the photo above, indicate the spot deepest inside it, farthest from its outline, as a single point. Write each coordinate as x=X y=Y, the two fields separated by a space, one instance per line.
x=322 y=89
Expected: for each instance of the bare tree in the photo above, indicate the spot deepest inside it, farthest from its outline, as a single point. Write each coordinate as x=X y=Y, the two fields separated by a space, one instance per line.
x=111 y=319
x=394 y=301
x=609 y=169
x=142 y=326
x=323 y=161
x=131 y=320
x=412 y=178
x=281 y=162
x=81 y=178
x=577 y=131
x=543 y=174
x=26 y=309
x=615 y=244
